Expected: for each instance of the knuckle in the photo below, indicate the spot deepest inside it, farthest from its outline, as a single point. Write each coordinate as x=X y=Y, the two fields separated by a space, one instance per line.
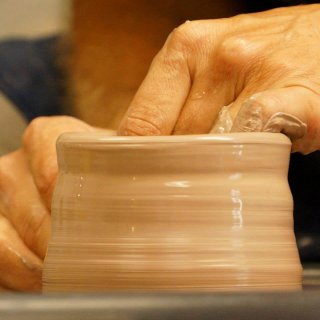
x=188 y=37
x=141 y=127
x=144 y=121
x=34 y=128
x=173 y=63
x=188 y=43
x=235 y=53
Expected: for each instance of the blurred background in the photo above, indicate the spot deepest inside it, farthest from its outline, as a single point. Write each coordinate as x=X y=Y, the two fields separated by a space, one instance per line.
x=33 y=18
x=25 y=59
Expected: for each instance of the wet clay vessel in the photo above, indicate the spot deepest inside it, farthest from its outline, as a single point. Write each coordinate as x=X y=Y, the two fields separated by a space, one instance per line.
x=191 y=213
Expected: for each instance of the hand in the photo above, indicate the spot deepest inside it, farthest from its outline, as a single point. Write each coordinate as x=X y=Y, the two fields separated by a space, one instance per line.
x=266 y=64
x=27 y=180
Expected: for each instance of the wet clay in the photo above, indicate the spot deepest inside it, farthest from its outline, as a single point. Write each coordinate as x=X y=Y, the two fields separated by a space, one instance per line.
x=189 y=213
x=251 y=119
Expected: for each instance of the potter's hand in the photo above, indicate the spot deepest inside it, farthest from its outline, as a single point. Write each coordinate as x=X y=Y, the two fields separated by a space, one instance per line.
x=27 y=178
x=265 y=63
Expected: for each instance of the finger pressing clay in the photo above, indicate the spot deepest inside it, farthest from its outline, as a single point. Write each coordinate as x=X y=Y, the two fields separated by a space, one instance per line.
x=224 y=121
x=286 y=123
x=293 y=111
x=257 y=115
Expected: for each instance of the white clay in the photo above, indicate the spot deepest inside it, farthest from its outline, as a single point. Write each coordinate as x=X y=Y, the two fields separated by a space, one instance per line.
x=190 y=213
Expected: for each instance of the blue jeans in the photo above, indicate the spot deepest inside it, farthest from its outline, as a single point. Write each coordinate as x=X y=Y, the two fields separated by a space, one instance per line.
x=30 y=76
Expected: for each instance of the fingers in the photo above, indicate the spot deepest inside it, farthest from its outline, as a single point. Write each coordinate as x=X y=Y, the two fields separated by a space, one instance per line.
x=159 y=101
x=293 y=111
x=20 y=269
x=27 y=178
x=39 y=142
x=25 y=195
x=21 y=203
x=202 y=106
x=192 y=78
x=157 y=104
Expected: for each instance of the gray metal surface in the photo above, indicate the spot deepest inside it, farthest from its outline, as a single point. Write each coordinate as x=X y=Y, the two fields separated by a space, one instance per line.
x=236 y=306
x=291 y=306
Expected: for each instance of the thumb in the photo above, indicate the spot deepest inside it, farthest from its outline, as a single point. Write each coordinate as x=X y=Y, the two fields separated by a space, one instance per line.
x=292 y=111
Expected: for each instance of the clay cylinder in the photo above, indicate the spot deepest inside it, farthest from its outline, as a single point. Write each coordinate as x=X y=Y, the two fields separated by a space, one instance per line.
x=191 y=213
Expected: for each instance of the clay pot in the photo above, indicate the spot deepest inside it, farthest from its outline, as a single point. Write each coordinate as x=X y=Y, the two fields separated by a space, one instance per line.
x=201 y=213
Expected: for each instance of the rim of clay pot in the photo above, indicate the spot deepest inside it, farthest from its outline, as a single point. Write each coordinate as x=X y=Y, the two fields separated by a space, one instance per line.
x=102 y=138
